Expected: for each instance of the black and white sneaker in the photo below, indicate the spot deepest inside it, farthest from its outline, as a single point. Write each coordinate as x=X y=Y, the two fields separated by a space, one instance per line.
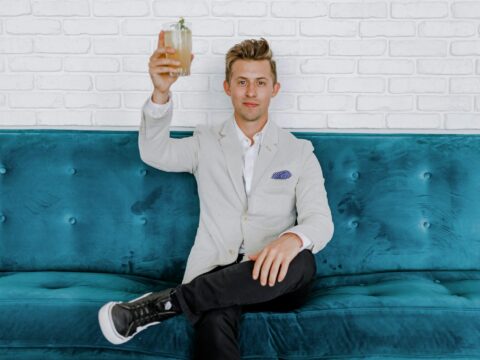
x=121 y=321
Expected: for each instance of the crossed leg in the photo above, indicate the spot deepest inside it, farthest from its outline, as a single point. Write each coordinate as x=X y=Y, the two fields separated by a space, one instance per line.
x=213 y=302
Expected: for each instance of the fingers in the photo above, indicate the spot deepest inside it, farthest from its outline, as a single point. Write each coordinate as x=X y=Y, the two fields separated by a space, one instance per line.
x=258 y=264
x=283 y=271
x=164 y=66
x=274 y=271
x=266 y=269
x=161 y=40
x=159 y=62
x=160 y=53
x=270 y=266
x=166 y=70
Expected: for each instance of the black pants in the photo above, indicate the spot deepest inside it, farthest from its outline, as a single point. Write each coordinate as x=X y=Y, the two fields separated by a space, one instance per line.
x=213 y=302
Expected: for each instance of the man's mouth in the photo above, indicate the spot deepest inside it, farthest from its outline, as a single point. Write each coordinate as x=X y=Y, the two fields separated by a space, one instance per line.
x=249 y=104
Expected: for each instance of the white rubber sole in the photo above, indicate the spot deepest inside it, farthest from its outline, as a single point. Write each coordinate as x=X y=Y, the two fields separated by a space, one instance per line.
x=106 y=323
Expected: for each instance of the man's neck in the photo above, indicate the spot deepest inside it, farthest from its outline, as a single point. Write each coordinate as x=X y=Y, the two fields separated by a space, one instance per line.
x=250 y=128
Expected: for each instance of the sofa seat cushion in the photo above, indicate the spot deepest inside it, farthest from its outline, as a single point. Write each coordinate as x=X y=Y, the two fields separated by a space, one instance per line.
x=382 y=314
x=431 y=314
x=44 y=309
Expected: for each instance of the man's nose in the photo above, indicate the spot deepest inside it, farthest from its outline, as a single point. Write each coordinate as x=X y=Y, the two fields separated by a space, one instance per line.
x=251 y=90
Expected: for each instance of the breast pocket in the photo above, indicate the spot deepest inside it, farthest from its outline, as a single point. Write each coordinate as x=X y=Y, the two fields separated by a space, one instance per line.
x=279 y=185
x=276 y=202
x=276 y=196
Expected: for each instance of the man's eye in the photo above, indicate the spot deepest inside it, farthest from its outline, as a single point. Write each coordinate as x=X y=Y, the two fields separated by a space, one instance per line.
x=241 y=82
x=262 y=82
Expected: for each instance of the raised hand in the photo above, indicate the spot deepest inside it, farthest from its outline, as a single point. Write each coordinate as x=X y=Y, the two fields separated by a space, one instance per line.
x=162 y=70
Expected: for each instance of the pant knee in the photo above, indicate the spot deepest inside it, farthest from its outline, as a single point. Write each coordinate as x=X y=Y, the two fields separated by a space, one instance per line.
x=307 y=258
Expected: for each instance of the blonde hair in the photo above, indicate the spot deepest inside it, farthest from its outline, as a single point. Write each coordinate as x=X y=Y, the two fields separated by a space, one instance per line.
x=250 y=50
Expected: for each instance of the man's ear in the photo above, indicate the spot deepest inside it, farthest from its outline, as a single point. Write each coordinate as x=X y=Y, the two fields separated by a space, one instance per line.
x=276 y=89
x=226 y=87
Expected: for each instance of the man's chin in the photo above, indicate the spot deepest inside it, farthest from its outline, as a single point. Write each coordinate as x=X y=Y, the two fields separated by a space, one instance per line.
x=250 y=117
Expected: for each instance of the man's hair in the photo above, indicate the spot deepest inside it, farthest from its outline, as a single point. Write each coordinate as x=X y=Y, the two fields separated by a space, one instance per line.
x=250 y=50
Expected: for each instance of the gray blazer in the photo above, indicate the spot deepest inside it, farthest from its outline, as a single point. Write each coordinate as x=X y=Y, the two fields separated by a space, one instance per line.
x=227 y=215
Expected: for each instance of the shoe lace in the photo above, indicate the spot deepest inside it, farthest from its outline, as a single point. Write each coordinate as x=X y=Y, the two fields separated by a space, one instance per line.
x=145 y=313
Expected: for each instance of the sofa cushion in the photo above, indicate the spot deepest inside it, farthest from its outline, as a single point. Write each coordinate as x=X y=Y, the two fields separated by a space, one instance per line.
x=42 y=309
x=380 y=314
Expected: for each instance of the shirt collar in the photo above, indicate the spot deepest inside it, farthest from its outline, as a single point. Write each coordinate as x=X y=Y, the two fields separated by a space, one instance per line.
x=244 y=140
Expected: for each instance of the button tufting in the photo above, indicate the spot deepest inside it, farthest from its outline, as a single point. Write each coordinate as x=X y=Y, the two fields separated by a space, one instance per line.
x=354 y=224
x=427 y=175
x=437 y=281
x=3 y=170
x=426 y=224
x=143 y=220
x=355 y=175
x=72 y=220
x=2 y=218
x=72 y=171
x=143 y=172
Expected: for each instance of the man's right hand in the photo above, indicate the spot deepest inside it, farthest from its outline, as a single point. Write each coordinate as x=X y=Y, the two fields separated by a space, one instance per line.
x=159 y=68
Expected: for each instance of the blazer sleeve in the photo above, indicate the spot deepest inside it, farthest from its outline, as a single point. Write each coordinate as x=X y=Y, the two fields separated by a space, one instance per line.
x=314 y=217
x=158 y=149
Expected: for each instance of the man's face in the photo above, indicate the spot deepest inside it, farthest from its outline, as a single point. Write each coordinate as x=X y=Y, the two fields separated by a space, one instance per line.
x=251 y=82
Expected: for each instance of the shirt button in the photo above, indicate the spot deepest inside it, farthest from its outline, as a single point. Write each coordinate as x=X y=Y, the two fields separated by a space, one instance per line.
x=231 y=252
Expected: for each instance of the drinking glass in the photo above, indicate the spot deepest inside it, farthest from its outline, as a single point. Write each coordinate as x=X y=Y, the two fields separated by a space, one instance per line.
x=178 y=35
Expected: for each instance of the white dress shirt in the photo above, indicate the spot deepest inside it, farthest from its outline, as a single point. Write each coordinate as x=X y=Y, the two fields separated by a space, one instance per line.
x=250 y=153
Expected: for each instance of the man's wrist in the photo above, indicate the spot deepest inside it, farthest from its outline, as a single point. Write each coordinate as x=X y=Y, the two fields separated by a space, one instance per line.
x=160 y=97
x=296 y=238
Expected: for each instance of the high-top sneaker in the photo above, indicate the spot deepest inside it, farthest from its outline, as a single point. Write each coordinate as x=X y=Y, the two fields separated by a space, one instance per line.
x=121 y=321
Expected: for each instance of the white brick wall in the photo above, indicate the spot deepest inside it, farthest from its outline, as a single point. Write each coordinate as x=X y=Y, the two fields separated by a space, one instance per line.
x=344 y=65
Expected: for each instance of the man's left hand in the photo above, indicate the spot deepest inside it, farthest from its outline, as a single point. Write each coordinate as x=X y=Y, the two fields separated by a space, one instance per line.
x=279 y=253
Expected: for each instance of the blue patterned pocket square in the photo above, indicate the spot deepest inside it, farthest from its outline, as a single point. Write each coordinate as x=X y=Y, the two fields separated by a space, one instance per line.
x=282 y=175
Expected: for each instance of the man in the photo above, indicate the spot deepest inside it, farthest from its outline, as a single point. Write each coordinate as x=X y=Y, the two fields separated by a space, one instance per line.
x=254 y=181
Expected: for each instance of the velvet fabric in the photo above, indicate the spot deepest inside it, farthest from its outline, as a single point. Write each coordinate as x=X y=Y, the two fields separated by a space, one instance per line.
x=84 y=221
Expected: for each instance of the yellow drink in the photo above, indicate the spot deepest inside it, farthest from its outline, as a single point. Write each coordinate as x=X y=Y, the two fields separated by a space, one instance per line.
x=179 y=36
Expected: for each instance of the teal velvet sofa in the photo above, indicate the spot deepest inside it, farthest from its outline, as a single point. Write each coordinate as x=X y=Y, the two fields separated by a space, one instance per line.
x=84 y=221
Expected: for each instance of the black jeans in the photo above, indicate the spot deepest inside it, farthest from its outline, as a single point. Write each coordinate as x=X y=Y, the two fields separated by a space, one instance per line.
x=213 y=302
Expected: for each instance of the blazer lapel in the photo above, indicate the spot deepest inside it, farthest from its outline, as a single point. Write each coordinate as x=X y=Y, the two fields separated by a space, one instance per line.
x=233 y=157
x=268 y=150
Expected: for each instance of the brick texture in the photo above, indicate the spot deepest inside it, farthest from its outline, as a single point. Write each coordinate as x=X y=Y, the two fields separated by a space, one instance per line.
x=343 y=65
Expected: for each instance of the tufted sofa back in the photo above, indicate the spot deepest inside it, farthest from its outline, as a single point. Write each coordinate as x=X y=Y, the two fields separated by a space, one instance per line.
x=84 y=201
x=75 y=200
x=400 y=202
